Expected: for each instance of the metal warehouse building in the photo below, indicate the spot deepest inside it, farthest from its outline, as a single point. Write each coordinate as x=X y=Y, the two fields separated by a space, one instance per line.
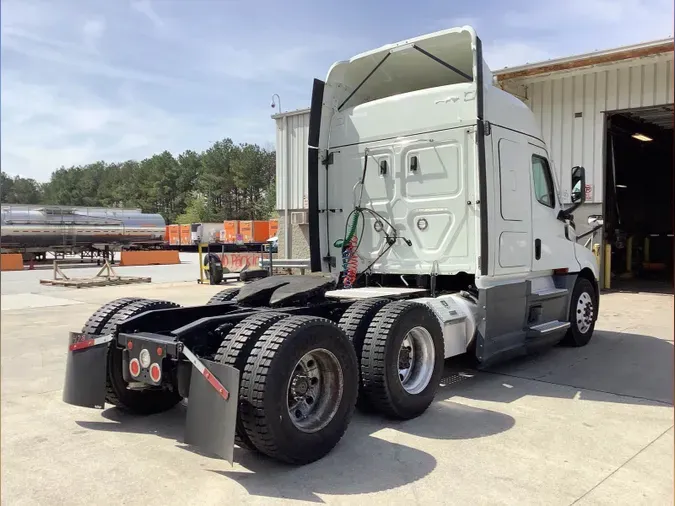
x=609 y=111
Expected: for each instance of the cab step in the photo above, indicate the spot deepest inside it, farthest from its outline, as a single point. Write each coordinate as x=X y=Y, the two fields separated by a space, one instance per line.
x=544 y=329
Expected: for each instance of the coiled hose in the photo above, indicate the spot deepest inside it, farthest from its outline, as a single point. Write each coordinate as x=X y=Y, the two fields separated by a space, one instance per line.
x=349 y=245
x=350 y=263
x=350 y=230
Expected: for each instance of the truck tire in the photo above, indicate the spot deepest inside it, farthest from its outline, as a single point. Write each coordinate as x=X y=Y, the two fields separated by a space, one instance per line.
x=582 y=316
x=98 y=320
x=402 y=359
x=355 y=322
x=235 y=350
x=223 y=296
x=299 y=389
x=141 y=401
x=253 y=274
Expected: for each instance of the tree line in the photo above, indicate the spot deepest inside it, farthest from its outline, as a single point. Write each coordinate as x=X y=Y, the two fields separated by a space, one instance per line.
x=226 y=181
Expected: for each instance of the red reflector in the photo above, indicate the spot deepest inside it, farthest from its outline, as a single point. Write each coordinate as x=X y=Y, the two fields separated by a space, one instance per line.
x=160 y=351
x=155 y=373
x=134 y=367
x=130 y=345
x=216 y=384
x=561 y=271
x=81 y=345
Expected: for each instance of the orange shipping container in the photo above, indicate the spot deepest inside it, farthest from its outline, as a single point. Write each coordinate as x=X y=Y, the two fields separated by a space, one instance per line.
x=274 y=227
x=174 y=235
x=231 y=229
x=185 y=235
x=166 y=233
x=254 y=231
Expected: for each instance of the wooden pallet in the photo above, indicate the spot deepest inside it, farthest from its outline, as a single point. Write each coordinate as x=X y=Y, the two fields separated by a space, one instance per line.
x=105 y=277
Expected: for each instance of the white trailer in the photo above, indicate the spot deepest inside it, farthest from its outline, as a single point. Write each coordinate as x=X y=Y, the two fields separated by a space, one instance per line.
x=436 y=219
x=208 y=233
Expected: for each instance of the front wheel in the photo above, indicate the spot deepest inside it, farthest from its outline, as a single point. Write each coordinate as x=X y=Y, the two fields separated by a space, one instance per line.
x=582 y=315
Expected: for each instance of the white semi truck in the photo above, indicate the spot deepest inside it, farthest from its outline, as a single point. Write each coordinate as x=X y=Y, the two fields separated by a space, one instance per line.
x=436 y=229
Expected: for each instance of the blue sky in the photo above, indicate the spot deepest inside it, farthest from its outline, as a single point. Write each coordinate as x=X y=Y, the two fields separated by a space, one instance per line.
x=87 y=80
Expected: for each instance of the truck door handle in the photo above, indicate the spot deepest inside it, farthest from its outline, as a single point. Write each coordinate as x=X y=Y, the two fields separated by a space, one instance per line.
x=537 y=249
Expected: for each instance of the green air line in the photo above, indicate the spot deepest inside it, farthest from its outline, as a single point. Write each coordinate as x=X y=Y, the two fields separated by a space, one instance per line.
x=350 y=233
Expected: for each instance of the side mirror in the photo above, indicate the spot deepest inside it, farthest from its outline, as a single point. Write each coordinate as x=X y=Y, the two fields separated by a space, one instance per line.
x=596 y=219
x=578 y=196
x=578 y=185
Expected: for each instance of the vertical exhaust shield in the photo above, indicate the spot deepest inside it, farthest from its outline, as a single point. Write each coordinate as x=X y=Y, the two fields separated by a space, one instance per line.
x=313 y=174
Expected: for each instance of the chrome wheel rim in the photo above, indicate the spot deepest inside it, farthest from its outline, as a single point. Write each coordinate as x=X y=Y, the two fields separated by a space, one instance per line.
x=416 y=359
x=584 y=312
x=314 y=390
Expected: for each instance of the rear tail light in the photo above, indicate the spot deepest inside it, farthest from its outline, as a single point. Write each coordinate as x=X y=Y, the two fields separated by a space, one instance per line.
x=134 y=367
x=155 y=373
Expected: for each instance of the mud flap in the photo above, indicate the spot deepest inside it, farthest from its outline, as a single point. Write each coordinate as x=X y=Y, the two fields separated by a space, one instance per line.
x=86 y=370
x=212 y=407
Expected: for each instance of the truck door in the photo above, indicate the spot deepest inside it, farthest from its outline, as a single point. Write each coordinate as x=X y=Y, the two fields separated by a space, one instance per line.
x=512 y=224
x=551 y=249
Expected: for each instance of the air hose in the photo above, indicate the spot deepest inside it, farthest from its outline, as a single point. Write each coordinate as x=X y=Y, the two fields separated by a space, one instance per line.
x=350 y=263
x=349 y=245
x=350 y=231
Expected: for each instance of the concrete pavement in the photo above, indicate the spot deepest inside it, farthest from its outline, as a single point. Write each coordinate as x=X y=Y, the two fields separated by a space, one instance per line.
x=570 y=426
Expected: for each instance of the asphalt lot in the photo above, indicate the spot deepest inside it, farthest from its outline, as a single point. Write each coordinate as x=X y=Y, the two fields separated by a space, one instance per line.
x=571 y=426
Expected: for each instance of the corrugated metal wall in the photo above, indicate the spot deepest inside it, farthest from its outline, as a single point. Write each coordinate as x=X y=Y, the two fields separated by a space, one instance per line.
x=292 y=131
x=579 y=140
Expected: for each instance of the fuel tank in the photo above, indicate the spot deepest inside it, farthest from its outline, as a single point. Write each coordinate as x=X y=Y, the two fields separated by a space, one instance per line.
x=25 y=227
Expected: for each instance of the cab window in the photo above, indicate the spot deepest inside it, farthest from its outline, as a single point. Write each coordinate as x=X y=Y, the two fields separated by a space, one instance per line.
x=544 y=190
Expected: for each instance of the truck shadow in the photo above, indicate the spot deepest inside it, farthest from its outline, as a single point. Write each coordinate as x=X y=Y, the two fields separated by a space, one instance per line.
x=366 y=460
x=616 y=367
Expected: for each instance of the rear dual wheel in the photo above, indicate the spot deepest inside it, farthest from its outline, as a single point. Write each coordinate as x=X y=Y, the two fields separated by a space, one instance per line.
x=298 y=388
x=235 y=350
x=400 y=350
x=227 y=295
x=355 y=322
x=145 y=400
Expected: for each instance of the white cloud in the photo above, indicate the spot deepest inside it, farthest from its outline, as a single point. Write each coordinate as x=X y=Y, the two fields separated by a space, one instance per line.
x=23 y=13
x=77 y=60
x=46 y=126
x=549 y=29
x=636 y=20
x=144 y=7
x=508 y=53
x=92 y=31
x=445 y=23
x=36 y=32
